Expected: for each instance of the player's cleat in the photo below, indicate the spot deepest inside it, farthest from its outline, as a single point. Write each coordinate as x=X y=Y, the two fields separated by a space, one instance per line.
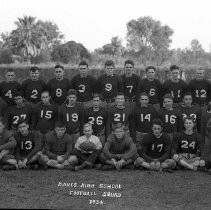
x=9 y=167
x=107 y=167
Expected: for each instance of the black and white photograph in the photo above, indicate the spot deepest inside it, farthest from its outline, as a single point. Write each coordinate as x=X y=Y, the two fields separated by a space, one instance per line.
x=105 y=104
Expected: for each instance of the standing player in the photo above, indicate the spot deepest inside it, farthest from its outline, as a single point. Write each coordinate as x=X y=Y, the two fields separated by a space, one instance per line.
x=97 y=116
x=119 y=114
x=200 y=89
x=72 y=115
x=188 y=109
x=186 y=146
x=177 y=87
x=141 y=119
x=84 y=84
x=15 y=113
x=44 y=114
x=33 y=87
x=155 y=150
x=28 y=146
x=171 y=117
x=130 y=83
x=59 y=86
x=8 y=87
x=109 y=85
x=152 y=87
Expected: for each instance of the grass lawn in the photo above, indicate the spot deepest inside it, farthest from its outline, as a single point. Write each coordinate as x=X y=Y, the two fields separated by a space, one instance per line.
x=136 y=189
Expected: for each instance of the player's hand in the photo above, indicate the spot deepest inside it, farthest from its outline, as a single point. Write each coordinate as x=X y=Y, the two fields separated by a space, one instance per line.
x=152 y=165
x=119 y=163
x=114 y=161
x=20 y=164
x=24 y=163
x=201 y=163
x=157 y=165
x=176 y=157
x=118 y=156
x=60 y=159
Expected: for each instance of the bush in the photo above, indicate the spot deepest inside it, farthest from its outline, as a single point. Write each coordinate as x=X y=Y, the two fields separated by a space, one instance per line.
x=5 y=56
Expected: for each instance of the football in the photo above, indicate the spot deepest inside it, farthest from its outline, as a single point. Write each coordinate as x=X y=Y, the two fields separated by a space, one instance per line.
x=87 y=146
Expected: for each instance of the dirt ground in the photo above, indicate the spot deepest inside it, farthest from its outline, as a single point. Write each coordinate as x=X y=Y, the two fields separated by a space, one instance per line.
x=135 y=189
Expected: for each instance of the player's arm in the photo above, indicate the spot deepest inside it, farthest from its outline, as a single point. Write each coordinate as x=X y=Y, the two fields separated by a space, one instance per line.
x=69 y=146
x=109 y=123
x=11 y=143
x=203 y=148
x=139 y=89
x=81 y=119
x=47 y=149
x=179 y=121
x=98 y=144
x=34 y=120
x=132 y=150
x=144 y=148
x=175 y=144
x=199 y=121
x=37 y=147
x=203 y=125
x=17 y=149
x=133 y=125
x=120 y=84
x=7 y=117
x=107 y=146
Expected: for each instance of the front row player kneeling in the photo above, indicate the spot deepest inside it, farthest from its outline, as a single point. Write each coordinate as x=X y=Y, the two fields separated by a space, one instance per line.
x=155 y=150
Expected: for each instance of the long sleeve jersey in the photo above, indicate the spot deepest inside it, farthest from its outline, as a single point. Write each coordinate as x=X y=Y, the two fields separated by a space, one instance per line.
x=7 y=140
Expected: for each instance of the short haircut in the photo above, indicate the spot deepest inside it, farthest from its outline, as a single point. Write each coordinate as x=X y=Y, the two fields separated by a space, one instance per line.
x=10 y=70
x=109 y=63
x=120 y=94
x=118 y=126
x=129 y=62
x=83 y=63
x=187 y=94
x=157 y=121
x=150 y=67
x=59 y=124
x=18 y=93
x=59 y=67
x=168 y=95
x=71 y=92
x=86 y=125
x=144 y=94
x=21 y=121
x=189 y=118
x=2 y=120
x=174 y=67
x=34 y=69
x=45 y=91
x=96 y=95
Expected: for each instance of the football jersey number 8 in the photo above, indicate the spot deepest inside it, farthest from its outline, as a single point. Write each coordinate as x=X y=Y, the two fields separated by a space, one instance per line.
x=58 y=92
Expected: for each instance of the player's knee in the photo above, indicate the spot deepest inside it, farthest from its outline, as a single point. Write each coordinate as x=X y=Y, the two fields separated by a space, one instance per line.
x=12 y=161
x=170 y=163
x=73 y=160
x=43 y=159
x=201 y=163
x=138 y=162
x=102 y=158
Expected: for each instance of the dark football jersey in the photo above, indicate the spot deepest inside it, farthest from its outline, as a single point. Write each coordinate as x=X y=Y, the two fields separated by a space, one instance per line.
x=58 y=89
x=109 y=86
x=193 y=111
x=3 y=107
x=98 y=119
x=172 y=120
x=142 y=117
x=32 y=90
x=7 y=90
x=153 y=88
x=201 y=91
x=156 y=148
x=206 y=124
x=73 y=117
x=14 y=114
x=183 y=143
x=130 y=85
x=177 y=89
x=85 y=87
x=44 y=117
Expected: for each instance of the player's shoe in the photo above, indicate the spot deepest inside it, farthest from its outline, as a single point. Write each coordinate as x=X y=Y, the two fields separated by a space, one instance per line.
x=107 y=167
x=130 y=166
x=9 y=167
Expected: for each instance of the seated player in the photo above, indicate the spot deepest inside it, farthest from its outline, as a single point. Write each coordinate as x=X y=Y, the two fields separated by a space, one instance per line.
x=27 y=151
x=44 y=114
x=186 y=146
x=57 y=149
x=7 y=146
x=119 y=150
x=97 y=116
x=87 y=148
x=155 y=150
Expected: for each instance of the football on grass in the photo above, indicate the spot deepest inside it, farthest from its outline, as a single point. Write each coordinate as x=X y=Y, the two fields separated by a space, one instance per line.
x=87 y=146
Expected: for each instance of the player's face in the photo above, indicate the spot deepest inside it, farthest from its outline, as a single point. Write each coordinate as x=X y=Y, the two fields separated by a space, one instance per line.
x=96 y=102
x=119 y=133
x=71 y=99
x=59 y=73
x=187 y=100
x=156 y=129
x=60 y=132
x=10 y=76
x=88 y=131
x=120 y=100
x=1 y=127
x=175 y=74
x=23 y=128
x=109 y=70
x=199 y=74
x=129 y=68
x=83 y=70
x=144 y=100
x=189 y=124
x=34 y=75
x=45 y=98
x=150 y=74
x=168 y=103
x=18 y=100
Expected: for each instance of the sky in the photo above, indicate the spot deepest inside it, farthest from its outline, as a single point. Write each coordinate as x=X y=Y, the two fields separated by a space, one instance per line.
x=94 y=22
